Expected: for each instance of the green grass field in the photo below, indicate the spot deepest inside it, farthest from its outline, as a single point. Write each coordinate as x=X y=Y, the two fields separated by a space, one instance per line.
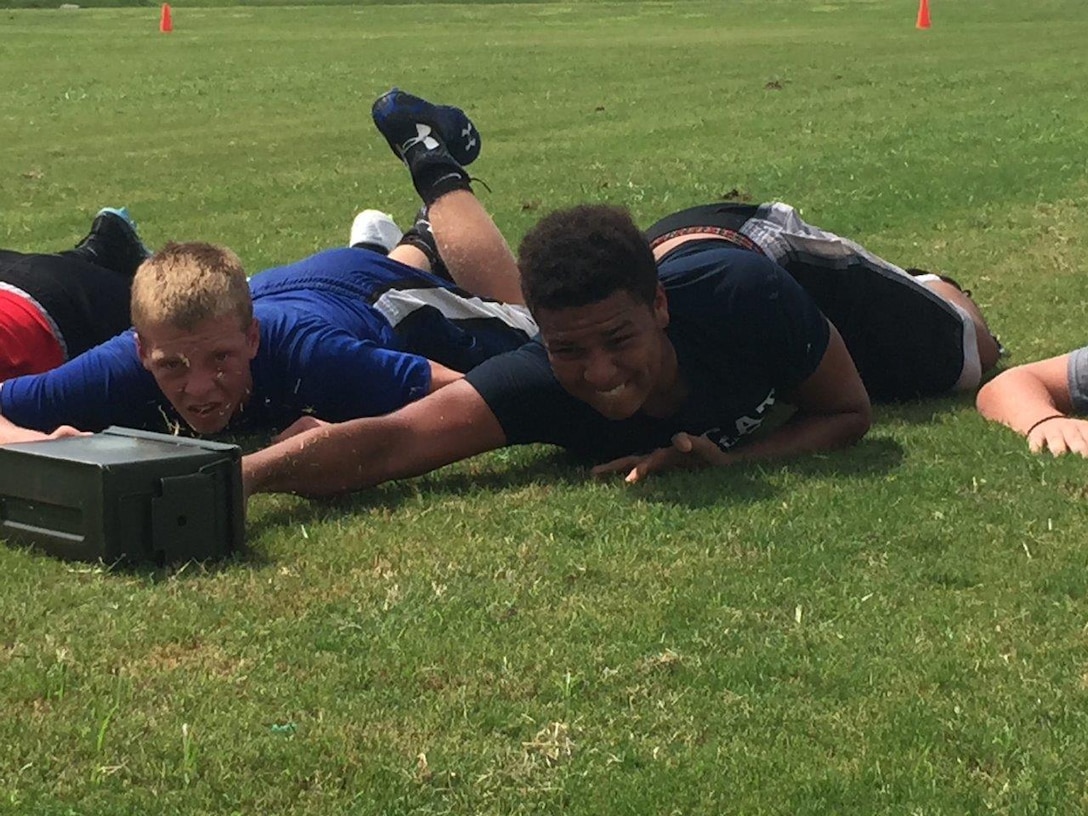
x=898 y=628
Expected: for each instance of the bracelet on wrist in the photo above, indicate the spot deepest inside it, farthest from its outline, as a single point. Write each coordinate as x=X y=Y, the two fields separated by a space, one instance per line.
x=1041 y=421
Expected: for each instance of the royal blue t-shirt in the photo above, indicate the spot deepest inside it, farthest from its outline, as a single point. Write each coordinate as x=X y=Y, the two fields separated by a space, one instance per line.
x=325 y=350
x=745 y=334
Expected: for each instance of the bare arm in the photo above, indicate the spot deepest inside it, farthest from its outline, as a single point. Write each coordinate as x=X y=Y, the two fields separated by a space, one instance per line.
x=11 y=433
x=1034 y=400
x=441 y=376
x=452 y=424
x=833 y=411
x=1023 y=395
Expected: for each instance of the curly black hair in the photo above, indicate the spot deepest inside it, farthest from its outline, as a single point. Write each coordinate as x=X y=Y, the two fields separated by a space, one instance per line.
x=583 y=254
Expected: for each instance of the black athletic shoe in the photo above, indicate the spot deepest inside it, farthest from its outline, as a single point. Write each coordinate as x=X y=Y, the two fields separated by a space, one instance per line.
x=406 y=121
x=113 y=242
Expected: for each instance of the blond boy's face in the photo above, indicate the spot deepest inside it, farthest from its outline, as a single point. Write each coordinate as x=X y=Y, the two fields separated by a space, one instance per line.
x=205 y=371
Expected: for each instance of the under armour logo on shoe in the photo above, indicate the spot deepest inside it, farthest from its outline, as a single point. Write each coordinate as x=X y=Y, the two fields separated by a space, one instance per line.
x=423 y=137
x=471 y=139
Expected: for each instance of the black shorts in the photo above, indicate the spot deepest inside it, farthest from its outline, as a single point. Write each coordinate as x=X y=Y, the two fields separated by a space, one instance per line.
x=905 y=340
x=87 y=303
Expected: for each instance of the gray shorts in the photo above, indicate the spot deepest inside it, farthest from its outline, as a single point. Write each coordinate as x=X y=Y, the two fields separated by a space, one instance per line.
x=1078 y=380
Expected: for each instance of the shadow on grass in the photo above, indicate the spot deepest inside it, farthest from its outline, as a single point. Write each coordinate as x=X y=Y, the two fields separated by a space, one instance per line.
x=502 y=471
x=517 y=469
x=151 y=571
x=870 y=458
x=920 y=412
x=245 y=557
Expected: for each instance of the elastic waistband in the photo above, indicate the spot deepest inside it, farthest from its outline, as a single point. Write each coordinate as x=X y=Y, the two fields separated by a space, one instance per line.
x=724 y=233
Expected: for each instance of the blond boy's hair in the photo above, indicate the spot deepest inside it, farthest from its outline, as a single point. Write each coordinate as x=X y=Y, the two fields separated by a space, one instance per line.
x=184 y=284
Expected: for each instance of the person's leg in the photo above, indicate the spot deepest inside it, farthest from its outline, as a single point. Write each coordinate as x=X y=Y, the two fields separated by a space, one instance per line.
x=472 y=248
x=84 y=304
x=908 y=338
x=989 y=348
x=435 y=142
x=378 y=232
x=435 y=318
x=411 y=255
x=419 y=243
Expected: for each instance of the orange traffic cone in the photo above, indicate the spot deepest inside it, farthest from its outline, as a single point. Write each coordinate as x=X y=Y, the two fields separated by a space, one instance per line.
x=166 y=22
x=923 y=14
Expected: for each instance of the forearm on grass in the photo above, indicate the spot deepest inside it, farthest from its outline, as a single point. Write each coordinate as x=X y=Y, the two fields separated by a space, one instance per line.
x=1022 y=396
x=807 y=433
x=833 y=410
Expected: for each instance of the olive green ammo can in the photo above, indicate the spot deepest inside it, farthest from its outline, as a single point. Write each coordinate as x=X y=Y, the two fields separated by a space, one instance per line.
x=123 y=496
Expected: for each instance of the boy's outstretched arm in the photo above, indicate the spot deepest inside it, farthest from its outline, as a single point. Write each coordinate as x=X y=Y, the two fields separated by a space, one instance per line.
x=11 y=433
x=451 y=424
x=1035 y=400
x=833 y=411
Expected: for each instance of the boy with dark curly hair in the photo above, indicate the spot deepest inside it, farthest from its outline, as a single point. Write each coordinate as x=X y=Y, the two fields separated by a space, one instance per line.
x=644 y=361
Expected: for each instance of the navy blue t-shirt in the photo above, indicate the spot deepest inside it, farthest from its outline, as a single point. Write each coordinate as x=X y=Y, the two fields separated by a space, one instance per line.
x=745 y=334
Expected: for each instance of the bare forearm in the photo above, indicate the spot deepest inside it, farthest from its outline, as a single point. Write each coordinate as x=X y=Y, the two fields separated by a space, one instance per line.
x=807 y=433
x=833 y=410
x=320 y=462
x=8 y=430
x=453 y=423
x=1019 y=398
x=11 y=433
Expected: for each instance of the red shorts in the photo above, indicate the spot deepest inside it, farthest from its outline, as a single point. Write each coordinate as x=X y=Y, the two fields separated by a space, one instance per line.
x=27 y=342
